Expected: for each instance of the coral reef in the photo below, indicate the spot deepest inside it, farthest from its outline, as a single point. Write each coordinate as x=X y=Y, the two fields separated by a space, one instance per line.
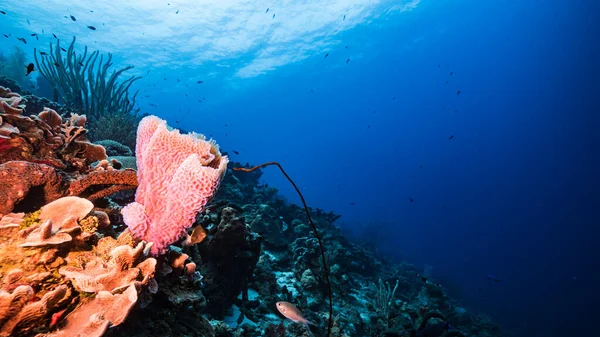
x=44 y=138
x=84 y=84
x=49 y=255
x=44 y=157
x=183 y=259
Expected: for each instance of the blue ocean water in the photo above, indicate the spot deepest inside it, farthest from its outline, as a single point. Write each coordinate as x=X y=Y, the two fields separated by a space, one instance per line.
x=459 y=135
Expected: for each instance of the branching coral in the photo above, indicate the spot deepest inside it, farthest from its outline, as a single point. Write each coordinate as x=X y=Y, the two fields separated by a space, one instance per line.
x=177 y=175
x=83 y=82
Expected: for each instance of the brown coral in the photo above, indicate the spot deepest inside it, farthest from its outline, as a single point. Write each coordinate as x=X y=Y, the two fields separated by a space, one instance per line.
x=93 y=318
x=17 y=316
x=121 y=271
x=43 y=236
x=66 y=211
x=10 y=102
x=20 y=178
x=40 y=286
x=44 y=138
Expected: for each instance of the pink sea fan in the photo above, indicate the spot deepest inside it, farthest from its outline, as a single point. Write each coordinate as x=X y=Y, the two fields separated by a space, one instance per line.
x=177 y=176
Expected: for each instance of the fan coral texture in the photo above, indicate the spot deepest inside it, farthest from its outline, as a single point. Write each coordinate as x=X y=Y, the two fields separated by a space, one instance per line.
x=177 y=176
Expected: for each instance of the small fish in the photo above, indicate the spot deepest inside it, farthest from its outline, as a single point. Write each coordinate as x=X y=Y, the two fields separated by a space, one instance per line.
x=346 y=47
x=186 y=95
x=267 y=11
x=235 y=152
x=421 y=166
x=438 y=65
x=148 y=72
x=446 y=82
x=29 y=68
x=394 y=98
x=28 y=23
x=81 y=63
x=312 y=90
x=344 y=19
x=63 y=49
x=352 y=203
x=369 y=126
x=91 y=11
x=165 y=78
x=458 y=93
x=22 y=40
x=292 y=313
x=411 y=199
x=178 y=80
x=348 y=60
x=54 y=35
x=92 y=27
x=3 y=12
x=56 y=64
x=177 y=12
x=34 y=34
x=73 y=18
x=273 y=16
x=200 y=82
x=152 y=104
x=424 y=279
x=451 y=137
x=326 y=55
x=6 y=36
x=451 y=73
x=198 y=235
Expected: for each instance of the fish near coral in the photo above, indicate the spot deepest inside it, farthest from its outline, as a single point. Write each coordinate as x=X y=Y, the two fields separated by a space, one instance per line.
x=292 y=313
x=29 y=68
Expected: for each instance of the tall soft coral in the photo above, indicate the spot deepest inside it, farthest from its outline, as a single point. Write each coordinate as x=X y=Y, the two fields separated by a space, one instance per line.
x=177 y=175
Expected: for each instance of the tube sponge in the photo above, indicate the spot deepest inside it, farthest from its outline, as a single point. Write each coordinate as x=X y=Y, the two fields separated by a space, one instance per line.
x=177 y=175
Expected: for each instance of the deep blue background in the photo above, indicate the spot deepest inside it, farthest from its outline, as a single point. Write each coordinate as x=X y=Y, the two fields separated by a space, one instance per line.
x=515 y=193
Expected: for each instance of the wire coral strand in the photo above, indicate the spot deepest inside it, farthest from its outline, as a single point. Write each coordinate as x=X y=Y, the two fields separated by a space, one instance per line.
x=314 y=228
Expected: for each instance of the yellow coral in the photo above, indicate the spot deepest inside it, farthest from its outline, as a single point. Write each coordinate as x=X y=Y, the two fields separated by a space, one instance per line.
x=89 y=224
x=31 y=219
